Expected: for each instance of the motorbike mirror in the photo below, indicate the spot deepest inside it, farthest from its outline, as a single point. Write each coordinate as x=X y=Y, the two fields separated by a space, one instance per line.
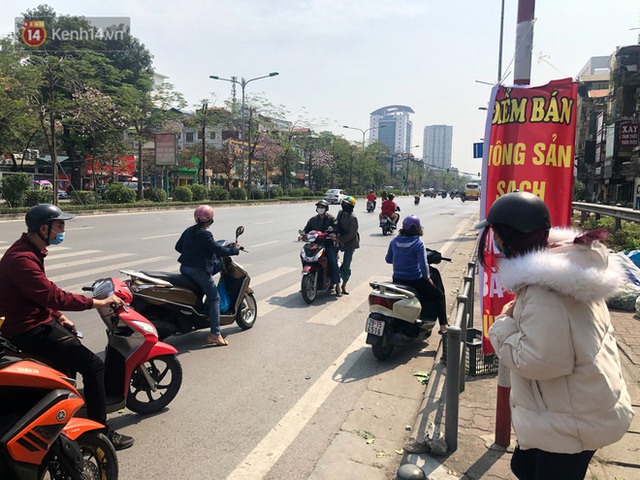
x=239 y=231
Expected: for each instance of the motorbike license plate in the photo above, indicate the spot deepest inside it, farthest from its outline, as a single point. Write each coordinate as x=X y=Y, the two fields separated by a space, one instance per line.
x=375 y=327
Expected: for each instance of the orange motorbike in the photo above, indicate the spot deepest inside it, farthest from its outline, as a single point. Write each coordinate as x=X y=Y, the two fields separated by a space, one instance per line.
x=40 y=436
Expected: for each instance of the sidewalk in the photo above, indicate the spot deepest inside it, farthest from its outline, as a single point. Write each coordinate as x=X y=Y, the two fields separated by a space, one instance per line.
x=477 y=457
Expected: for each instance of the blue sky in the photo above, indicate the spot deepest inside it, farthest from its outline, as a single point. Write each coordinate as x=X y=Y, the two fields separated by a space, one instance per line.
x=339 y=60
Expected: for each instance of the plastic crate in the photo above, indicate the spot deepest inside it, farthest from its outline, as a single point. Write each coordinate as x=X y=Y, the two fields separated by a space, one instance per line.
x=476 y=362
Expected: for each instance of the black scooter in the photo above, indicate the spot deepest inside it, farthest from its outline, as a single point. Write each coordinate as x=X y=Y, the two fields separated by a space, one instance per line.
x=174 y=303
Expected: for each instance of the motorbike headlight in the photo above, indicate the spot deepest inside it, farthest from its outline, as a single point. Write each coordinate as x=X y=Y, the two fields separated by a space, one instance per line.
x=147 y=327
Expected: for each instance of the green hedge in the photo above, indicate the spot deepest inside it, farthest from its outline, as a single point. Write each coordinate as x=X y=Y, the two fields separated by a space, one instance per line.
x=218 y=193
x=118 y=193
x=33 y=197
x=182 y=194
x=238 y=194
x=84 y=197
x=154 y=194
x=200 y=192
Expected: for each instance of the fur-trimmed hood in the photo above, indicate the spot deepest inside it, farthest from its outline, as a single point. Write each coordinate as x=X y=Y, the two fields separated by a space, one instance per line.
x=585 y=272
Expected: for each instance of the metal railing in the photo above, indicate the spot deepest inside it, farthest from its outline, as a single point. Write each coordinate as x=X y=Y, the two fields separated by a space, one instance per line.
x=455 y=356
x=618 y=213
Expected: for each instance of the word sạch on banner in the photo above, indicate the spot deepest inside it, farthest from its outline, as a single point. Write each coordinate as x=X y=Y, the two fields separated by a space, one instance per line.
x=530 y=147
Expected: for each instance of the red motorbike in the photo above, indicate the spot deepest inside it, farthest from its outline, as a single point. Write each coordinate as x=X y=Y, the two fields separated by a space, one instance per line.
x=141 y=372
x=315 y=265
x=40 y=436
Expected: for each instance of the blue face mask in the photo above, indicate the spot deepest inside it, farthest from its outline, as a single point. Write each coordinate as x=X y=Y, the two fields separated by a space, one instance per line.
x=58 y=240
x=497 y=249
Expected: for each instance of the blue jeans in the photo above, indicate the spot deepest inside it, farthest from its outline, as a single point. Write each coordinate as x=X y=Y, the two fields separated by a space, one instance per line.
x=345 y=266
x=332 y=260
x=208 y=285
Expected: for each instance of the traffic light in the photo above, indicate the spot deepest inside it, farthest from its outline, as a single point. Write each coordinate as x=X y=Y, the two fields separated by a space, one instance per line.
x=404 y=179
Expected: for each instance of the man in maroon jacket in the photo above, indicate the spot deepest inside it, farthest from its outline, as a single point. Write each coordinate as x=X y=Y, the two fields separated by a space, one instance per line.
x=32 y=304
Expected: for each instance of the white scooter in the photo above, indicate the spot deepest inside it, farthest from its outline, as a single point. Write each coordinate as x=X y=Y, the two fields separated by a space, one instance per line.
x=394 y=312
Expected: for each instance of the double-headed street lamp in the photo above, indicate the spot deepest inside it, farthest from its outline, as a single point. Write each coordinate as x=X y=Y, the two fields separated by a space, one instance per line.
x=363 y=145
x=363 y=132
x=243 y=83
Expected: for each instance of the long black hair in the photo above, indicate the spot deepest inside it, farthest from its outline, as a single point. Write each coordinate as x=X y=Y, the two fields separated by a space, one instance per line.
x=515 y=243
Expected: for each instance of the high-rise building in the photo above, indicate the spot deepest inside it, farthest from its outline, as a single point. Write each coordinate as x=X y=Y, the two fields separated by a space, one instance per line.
x=436 y=146
x=391 y=125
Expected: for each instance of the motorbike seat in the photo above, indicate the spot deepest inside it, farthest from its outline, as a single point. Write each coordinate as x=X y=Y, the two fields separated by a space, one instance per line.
x=177 y=280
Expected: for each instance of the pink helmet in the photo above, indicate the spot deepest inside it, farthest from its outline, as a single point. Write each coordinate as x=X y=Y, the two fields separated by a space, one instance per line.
x=203 y=214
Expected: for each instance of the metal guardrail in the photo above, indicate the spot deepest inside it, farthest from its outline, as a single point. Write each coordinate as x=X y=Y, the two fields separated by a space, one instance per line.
x=619 y=213
x=456 y=353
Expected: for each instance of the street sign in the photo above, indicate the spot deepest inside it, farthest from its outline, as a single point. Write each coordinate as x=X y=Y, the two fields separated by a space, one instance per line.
x=477 y=150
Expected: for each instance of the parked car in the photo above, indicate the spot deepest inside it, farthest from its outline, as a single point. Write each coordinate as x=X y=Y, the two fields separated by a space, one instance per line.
x=62 y=194
x=429 y=192
x=334 y=196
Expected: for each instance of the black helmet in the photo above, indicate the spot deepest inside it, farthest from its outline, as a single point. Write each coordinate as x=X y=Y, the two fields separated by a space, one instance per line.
x=390 y=196
x=523 y=211
x=44 y=213
x=322 y=203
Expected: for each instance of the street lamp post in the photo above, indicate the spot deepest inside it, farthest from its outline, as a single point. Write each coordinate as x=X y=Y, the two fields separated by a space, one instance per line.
x=364 y=132
x=243 y=83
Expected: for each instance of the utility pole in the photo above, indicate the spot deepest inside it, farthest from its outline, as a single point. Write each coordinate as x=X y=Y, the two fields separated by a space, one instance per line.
x=521 y=76
x=205 y=109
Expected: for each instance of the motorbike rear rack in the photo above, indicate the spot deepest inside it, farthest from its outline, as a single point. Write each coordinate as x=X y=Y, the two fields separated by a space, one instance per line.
x=388 y=288
x=146 y=278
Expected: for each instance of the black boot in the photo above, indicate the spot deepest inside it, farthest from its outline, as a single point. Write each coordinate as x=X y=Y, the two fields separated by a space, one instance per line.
x=119 y=441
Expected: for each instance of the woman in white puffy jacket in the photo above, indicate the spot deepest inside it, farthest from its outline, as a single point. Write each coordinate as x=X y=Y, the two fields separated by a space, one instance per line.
x=568 y=397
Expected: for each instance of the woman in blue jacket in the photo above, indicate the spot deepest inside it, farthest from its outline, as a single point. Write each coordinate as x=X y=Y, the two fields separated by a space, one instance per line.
x=199 y=259
x=409 y=258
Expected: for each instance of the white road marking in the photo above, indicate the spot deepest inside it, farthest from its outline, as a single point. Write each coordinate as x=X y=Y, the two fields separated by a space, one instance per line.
x=56 y=256
x=270 y=304
x=335 y=312
x=106 y=268
x=67 y=229
x=89 y=261
x=258 y=463
x=161 y=236
x=264 y=223
x=264 y=244
x=275 y=273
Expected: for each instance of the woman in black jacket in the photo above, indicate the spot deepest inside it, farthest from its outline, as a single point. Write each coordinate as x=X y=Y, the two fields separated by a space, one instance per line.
x=200 y=260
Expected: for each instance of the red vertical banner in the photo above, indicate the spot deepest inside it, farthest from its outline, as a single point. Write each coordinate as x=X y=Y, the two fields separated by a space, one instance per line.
x=529 y=146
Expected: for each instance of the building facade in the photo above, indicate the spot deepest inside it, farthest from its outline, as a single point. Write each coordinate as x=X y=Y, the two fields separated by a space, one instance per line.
x=436 y=149
x=391 y=125
x=607 y=132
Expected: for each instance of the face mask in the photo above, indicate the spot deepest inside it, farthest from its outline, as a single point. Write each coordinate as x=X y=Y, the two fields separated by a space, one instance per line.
x=321 y=211
x=58 y=240
x=496 y=248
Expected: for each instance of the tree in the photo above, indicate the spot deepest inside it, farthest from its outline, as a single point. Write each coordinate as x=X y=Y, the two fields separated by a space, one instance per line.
x=99 y=118
x=19 y=125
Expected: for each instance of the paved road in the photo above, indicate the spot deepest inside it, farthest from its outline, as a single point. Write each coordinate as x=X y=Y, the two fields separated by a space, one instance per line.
x=270 y=404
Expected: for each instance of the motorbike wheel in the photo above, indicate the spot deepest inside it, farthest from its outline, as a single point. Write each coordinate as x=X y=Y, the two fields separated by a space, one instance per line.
x=247 y=313
x=166 y=372
x=309 y=287
x=385 y=230
x=100 y=460
x=383 y=348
